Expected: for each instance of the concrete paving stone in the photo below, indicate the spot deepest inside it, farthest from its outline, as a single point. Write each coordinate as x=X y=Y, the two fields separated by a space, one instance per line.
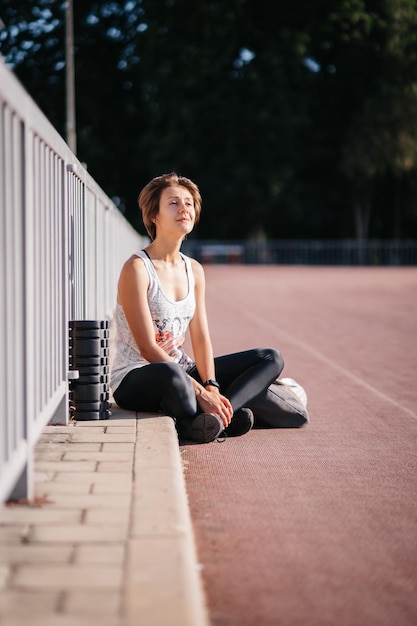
x=121 y=430
x=160 y=424
x=151 y=417
x=155 y=422
x=30 y=553
x=58 y=429
x=85 y=455
x=155 y=454
x=67 y=466
x=96 y=554
x=94 y=603
x=43 y=477
x=157 y=490
x=148 y=432
x=91 y=477
x=127 y=448
x=50 y=489
x=81 y=436
x=68 y=446
x=27 y=603
x=113 y=488
x=116 y=466
x=118 y=516
x=93 y=424
x=54 y=619
x=48 y=455
x=163 y=568
x=90 y=423
x=77 y=533
x=54 y=438
x=66 y=577
x=91 y=501
x=158 y=449
x=148 y=436
x=5 y=572
x=124 y=418
x=16 y=533
x=38 y=515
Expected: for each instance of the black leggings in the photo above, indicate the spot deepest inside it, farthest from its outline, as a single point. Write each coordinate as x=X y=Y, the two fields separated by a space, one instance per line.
x=167 y=387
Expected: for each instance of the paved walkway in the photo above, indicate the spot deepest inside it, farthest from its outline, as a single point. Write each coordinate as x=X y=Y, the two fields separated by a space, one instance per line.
x=108 y=539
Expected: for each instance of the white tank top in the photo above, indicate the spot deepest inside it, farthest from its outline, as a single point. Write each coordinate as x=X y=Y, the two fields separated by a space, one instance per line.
x=170 y=319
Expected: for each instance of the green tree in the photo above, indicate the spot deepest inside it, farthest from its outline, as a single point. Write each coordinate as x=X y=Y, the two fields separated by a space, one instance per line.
x=296 y=120
x=167 y=85
x=367 y=59
x=32 y=43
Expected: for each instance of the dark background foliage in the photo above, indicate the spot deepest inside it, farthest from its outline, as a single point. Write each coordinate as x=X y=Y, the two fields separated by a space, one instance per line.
x=297 y=119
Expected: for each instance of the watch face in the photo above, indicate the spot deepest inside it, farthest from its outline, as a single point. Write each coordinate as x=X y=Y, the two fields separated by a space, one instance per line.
x=211 y=382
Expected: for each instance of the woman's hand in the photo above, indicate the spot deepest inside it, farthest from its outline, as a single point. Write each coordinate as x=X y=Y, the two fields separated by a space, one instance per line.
x=213 y=402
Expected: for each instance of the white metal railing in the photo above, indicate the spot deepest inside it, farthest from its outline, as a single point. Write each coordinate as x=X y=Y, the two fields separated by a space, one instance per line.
x=62 y=243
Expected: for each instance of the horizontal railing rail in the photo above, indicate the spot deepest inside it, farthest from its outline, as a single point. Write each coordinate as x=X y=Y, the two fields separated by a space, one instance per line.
x=305 y=252
x=63 y=242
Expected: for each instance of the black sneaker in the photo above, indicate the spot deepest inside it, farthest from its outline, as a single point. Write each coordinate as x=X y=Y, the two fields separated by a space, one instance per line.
x=242 y=422
x=204 y=428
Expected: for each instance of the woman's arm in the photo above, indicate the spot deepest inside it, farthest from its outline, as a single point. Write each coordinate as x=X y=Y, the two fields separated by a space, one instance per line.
x=132 y=296
x=199 y=330
x=209 y=398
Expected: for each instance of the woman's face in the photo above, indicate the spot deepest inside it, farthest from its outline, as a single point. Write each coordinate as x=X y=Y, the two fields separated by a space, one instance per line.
x=176 y=213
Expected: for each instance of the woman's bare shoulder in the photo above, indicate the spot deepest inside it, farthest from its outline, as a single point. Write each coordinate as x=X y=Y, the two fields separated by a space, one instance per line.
x=133 y=273
x=197 y=268
x=133 y=265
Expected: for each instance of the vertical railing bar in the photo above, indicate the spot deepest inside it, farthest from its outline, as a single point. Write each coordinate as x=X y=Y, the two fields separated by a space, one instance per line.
x=49 y=282
x=8 y=248
x=18 y=247
x=65 y=285
x=54 y=190
x=3 y=354
x=47 y=274
x=59 y=264
x=80 y=248
x=37 y=295
x=84 y=234
x=31 y=373
x=43 y=355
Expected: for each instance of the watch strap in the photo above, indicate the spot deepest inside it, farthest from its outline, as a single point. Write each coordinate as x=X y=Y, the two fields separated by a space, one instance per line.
x=212 y=383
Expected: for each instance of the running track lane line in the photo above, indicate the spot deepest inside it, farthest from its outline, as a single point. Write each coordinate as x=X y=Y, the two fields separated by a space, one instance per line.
x=322 y=357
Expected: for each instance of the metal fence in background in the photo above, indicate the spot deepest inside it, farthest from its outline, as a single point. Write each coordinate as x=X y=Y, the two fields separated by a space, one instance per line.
x=305 y=252
x=62 y=243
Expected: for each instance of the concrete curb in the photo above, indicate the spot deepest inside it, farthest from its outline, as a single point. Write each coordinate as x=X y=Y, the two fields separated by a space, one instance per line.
x=163 y=580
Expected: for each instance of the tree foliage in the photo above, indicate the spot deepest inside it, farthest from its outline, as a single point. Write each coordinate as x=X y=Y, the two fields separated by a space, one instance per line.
x=296 y=120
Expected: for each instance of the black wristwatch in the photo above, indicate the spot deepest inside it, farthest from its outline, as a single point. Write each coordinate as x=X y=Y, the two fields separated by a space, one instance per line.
x=211 y=382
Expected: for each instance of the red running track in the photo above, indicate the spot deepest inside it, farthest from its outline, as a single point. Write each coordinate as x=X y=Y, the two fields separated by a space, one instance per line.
x=315 y=526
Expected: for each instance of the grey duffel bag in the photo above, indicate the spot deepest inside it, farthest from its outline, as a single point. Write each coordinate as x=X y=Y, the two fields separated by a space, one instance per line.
x=283 y=405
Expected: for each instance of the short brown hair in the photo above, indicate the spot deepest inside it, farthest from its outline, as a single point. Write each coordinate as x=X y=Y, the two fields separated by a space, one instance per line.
x=150 y=195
